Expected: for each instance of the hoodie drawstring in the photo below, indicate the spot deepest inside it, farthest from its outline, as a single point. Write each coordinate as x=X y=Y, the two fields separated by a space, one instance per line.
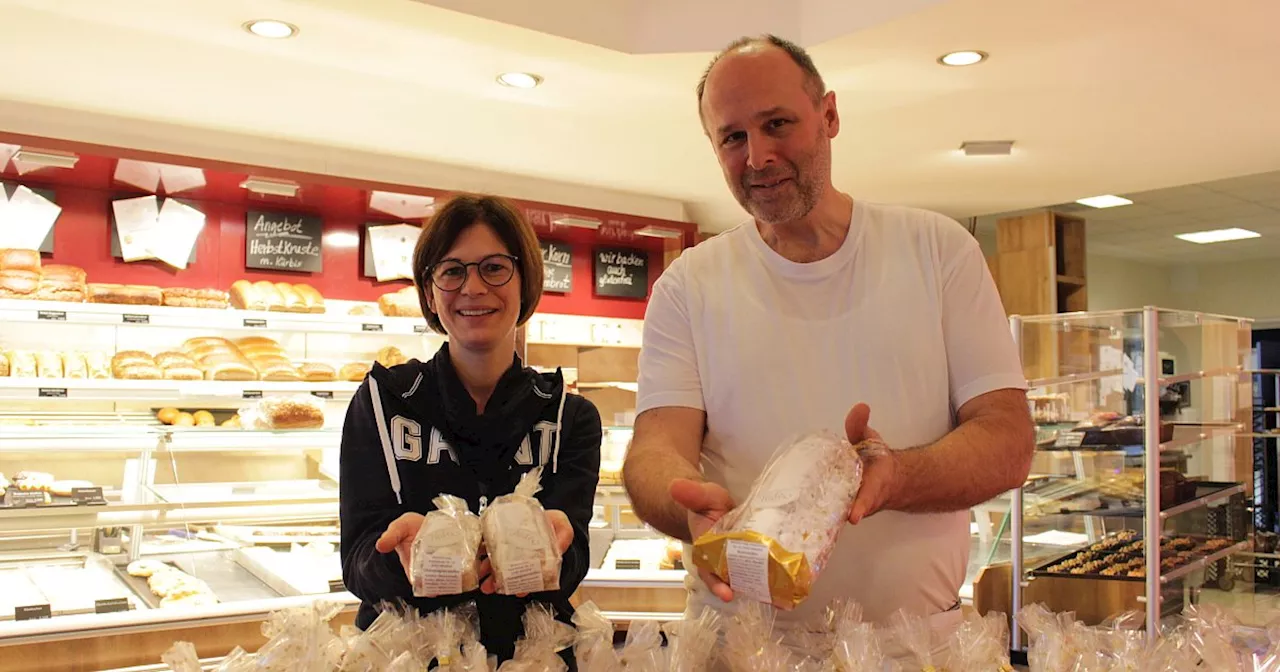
x=555 y=455
x=385 y=437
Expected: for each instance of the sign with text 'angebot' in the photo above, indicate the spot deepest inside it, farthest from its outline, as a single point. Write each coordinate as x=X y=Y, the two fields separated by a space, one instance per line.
x=621 y=271
x=283 y=241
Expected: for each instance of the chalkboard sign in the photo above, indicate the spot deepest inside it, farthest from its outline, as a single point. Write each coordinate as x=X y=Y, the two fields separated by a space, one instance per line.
x=282 y=241
x=557 y=267
x=621 y=271
x=46 y=247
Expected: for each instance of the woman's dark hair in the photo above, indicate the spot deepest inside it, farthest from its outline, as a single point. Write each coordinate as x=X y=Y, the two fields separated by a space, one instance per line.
x=457 y=215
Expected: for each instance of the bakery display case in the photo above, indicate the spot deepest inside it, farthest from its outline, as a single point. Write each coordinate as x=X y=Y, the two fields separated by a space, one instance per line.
x=1140 y=417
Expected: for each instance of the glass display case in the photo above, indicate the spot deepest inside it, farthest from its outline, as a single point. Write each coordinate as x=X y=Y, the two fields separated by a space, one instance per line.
x=1141 y=419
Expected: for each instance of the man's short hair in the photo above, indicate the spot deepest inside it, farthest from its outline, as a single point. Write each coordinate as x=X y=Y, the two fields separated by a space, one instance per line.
x=812 y=78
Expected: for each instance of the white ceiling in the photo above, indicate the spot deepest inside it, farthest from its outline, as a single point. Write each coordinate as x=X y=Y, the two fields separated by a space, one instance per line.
x=1100 y=96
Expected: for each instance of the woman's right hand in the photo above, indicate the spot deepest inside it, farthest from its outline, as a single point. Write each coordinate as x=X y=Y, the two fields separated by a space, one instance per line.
x=399 y=537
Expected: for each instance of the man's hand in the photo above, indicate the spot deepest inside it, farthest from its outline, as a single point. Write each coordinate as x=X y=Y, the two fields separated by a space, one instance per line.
x=560 y=528
x=880 y=477
x=399 y=537
x=706 y=503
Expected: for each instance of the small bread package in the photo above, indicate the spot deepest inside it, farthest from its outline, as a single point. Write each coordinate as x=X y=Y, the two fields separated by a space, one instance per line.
x=520 y=541
x=446 y=552
x=773 y=546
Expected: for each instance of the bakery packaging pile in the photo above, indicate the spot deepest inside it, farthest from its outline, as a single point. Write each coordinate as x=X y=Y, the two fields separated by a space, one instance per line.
x=773 y=546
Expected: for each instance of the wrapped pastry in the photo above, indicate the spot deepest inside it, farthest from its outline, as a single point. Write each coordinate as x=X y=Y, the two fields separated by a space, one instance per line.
x=22 y=364
x=446 y=552
x=750 y=644
x=544 y=638
x=98 y=365
x=692 y=642
x=855 y=643
x=593 y=643
x=774 y=545
x=642 y=651
x=916 y=637
x=74 y=366
x=48 y=364
x=447 y=633
x=520 y=541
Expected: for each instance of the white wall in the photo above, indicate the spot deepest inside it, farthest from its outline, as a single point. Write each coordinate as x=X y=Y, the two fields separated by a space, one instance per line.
x=1243 y=289
x=1116 y=284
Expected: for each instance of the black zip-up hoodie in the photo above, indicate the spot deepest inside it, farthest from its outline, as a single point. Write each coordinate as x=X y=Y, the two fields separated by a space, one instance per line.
x=412 y=433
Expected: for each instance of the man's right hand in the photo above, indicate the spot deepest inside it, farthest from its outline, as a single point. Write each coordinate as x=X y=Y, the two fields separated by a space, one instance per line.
x=399 y=537
x=706 y=503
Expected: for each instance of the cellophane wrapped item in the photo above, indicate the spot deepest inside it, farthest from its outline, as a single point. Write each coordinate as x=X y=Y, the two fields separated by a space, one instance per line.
x=393 y=632
x=593 y=643
x=915 y=636
x=446 y=552
x=238 y=660
x=691 y=643
x=980 y=644
x=520 y=541
x=301 y=640
x=750 y=644
x=181 y=657
x=855 y=644
x=445 y=635
x=642 y=651
x=774 y=545
x=544 y=638
x=1210 y=631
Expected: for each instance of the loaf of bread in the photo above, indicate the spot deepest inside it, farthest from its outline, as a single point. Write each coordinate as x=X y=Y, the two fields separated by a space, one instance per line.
x=20 y=260
x=354 y=372
x=137 y=372
x=364 y=310
x=132 y=295
x=247 y=297
x=270 y=294
x=22 y=364
x=317 y=373
x=311 y=298
x=286 y=413
x=63 y=275
x=59 y=294
x=401 y=303
x=74 y=366
x=290 y=300
x=390 y=356
x=278 y=372
x=230 y=371
x=201 y=341
x=182 y=373
x=127 y=357
x=257 y=341
x=173 y=358
x=48 y=364
x=183 y=297
x=98 y=365
x=18 y=284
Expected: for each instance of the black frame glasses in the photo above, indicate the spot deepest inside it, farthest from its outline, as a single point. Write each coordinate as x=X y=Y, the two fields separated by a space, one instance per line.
x=466 y=271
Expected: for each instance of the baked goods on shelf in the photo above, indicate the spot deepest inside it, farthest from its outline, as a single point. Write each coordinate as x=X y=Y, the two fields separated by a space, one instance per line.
x=174 y=587
x=354 y=372
x=314 y=372
x=48 y=364
x=390 y=356
x=98 y=365
x=134 y=365
x=133 y=295
x=401 y=303
x=74 y=366
x=18 y=284
x=312 y=300
x=364 y=310
x=290 y=300
x=178 y=366
x=276 y=296
x=184 y=297
x=29 y=481
x=22 y=364
x=245 y=296
x=295 y=412
x=61 y=282
x=20 y=260
x=4 y=365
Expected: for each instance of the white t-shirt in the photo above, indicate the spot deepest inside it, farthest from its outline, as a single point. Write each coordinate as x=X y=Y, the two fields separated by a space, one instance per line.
x=904 y=317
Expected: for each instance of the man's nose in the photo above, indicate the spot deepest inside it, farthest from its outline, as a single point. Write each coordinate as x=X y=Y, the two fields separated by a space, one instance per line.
x=760 y=151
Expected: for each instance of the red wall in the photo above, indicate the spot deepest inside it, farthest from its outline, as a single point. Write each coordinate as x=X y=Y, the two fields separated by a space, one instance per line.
x=82 y=236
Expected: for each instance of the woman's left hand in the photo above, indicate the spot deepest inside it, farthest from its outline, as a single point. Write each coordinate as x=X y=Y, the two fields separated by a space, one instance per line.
x=561 y=529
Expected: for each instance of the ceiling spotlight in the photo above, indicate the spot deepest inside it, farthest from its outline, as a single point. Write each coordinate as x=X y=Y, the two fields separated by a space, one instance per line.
x=963 y=58
x=271 y=29
x=1104 y=201
x=271 y=187
x=519 y=80
x=1218 y=236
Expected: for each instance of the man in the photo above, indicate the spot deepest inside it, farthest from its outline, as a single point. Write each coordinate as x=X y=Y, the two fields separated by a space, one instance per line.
x=825 y=313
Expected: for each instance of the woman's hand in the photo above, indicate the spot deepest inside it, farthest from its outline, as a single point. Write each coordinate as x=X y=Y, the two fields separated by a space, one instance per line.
x=561 y=529
x=399 y=537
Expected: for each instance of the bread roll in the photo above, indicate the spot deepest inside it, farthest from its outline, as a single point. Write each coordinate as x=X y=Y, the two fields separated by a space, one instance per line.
x=19 y=283
x=48 y=364
x=74 y=366
x=317 y=373
x=247 y=297
x=203 y=419
x=22 y=364
x=21 y=260
x=354 y=372
x=270 y=295
x=290 y=300
x=230 y=371
x=313 y=299
x=184 y=420
x=167 y=415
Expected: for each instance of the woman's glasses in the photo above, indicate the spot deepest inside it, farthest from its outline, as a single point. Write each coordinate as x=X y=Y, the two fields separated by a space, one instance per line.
x=495 y=270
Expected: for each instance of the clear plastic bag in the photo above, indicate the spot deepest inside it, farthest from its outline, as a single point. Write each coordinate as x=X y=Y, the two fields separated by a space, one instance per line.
x=642 y=651
x=980 y=644
x=775 y=544
x=691 y=643
x=915 y=635
x=181 y=657
x=855 y=643
x=520 y=541
x=544 y=638
x=750 y=644
x=300 y=411
x=446 y=552
x=593 y=644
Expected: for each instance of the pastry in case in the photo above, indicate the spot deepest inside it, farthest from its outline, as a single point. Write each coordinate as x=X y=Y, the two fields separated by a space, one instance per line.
x=185 y=297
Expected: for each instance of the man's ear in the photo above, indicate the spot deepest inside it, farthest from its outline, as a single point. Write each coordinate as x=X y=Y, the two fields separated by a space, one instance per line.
x=830 y=115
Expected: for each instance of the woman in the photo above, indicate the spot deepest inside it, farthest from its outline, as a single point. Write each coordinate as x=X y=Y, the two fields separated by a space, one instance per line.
x=467 y=423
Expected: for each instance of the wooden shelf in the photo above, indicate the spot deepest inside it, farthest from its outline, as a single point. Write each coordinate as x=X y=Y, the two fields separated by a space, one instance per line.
x=1073 y=280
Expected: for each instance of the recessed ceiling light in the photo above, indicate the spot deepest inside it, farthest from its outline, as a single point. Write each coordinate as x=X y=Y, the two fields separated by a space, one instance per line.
x=272 y=29
x=1104 y=201
x=1218 y=235
x=519 y=80
x=962 y=58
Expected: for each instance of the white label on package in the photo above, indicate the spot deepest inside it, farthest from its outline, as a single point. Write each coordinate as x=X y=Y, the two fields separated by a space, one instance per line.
x=442 y=575
x=749 y=570
x=523 y=576
x=777 y=498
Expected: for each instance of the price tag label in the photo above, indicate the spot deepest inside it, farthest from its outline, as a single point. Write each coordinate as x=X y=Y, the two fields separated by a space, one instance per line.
x=52 y=392
x=88 y=496
x=31 y=613
x=136 y=318
x=626 y=564
x=337 y=586
x=252 y=394
x=22 y=499
x=322 y=394
x=419 y=328
x=54 y=315
x=255 y=324
x=1069 y=440
x=110 y=606
x=369 y=326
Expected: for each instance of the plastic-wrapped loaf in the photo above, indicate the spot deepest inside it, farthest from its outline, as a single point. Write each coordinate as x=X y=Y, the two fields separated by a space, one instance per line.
x=390 y=634
x=544 y=638
x=446 y=552
x=916 y=637
x=691 y=643
x=593 y=643
x=300 y=640
x=980 y=644
x=445 y=633
x=181 y=657
x=520 y=541
x=642 y=651
x=775 y=544
x=855 y=643
x=750 y=645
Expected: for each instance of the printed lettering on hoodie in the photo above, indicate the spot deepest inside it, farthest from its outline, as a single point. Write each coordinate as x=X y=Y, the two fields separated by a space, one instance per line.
x=407 y=443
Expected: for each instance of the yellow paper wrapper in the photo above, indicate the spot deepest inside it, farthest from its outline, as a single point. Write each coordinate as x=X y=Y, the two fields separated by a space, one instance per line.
x=790 y=578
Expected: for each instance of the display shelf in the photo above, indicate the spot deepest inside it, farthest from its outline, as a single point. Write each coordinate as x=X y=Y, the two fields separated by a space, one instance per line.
x=1200 y=375
x=1073 y=378
x=64 y=389
x=224 y=440
x=1222 y=431
x=1200 y=563
x=1207 y=492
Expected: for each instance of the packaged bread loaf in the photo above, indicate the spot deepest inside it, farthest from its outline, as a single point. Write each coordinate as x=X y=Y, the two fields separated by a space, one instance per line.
x=98 y=365
x=74 y=366
x=184 y=297
x=22 y=364
x=48 y=364
x=521 y=544
x=773 y=546
x=446 y=552
x=292 y=412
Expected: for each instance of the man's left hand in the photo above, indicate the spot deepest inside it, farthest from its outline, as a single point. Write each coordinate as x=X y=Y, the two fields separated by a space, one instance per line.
x=880 y=471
